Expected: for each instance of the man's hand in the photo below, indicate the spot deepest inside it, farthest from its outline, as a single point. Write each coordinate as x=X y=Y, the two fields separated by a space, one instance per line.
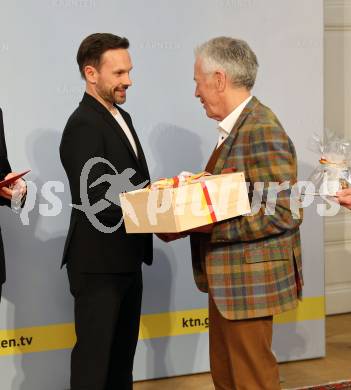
x=16 y=190
x=202 y=229
x=344 y=197
x=167 y=237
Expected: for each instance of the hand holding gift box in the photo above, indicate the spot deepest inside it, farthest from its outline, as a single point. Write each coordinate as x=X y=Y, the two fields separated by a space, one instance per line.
x=185 y=202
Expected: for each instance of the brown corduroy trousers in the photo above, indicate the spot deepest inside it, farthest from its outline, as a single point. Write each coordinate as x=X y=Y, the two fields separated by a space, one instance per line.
x=240 y=353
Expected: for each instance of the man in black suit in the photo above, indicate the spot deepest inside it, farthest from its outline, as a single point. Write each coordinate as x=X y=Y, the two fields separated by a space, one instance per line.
x=15 y=192
x=104 y=269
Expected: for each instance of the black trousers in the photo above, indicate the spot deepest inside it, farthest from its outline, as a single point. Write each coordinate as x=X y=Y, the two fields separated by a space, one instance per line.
x=107 y=316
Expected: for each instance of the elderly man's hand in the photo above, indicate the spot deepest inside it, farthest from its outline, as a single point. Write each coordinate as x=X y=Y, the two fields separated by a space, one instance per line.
x=202 y=229
x=16 y=190
x=167 y=237
x=344 y=197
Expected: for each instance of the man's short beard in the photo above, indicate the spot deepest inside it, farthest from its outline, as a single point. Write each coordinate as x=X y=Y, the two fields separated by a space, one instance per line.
x=105 y=94
x=117 y=99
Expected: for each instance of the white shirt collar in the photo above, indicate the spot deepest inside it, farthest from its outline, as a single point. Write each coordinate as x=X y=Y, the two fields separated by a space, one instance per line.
x=228 y=122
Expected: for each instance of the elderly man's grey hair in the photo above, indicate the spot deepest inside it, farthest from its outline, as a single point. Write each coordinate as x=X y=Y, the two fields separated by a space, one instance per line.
x=233 y=56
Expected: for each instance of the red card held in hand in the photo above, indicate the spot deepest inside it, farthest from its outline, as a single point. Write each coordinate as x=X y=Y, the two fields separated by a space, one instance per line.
x=7 y=182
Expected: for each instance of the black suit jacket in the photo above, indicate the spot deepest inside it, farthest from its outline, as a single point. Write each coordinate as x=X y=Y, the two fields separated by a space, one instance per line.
x=91 y=131
x=4 y=170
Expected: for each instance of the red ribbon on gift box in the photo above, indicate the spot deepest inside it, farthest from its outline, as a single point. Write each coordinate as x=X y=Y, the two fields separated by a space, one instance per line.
x=208 y=201
x=176 y=182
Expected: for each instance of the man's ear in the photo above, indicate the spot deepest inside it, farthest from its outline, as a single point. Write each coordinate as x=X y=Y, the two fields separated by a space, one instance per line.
x=221 y=80
x=90 y=74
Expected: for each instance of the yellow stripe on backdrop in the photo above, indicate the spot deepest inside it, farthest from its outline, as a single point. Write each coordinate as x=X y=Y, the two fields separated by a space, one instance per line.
x=62 y=336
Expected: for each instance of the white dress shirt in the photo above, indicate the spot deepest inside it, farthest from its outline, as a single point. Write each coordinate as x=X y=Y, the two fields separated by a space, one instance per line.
x=120 y=120
x=227 y=124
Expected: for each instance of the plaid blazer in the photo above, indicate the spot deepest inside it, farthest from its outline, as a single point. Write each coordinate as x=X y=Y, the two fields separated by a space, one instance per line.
x=252 y=264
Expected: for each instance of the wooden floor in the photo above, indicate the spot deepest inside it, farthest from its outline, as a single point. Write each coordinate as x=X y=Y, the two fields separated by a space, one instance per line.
x=336 y=366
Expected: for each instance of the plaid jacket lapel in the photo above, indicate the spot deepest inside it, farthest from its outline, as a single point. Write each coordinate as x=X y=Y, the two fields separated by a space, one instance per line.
x=228 y=143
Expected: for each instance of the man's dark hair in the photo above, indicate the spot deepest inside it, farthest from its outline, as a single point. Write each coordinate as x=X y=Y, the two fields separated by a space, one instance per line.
x=94 y=46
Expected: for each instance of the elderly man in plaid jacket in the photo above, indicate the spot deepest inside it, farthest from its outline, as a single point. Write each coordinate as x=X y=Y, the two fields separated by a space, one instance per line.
x=250 y=266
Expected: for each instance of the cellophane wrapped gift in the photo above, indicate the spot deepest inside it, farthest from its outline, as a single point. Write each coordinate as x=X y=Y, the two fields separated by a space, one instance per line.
x=333 y=171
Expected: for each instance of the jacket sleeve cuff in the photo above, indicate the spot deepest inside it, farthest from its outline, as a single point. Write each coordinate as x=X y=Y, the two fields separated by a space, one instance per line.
x=224 y=232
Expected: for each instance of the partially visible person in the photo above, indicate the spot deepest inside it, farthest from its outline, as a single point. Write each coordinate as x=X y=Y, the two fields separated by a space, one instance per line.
x=15 y=193
x=343 y=197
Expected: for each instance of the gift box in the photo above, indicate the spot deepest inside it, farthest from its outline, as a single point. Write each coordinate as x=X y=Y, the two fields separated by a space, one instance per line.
x=182 y=203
